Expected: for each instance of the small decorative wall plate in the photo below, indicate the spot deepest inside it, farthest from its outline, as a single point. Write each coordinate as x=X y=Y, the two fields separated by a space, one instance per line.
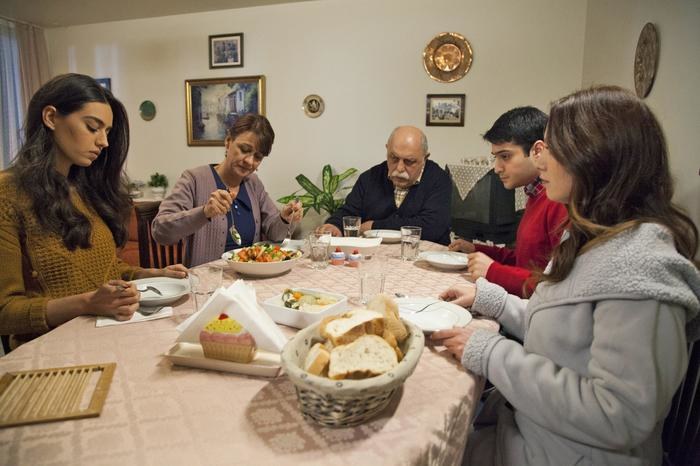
x=147 y=110
x=313 y=106
x=447 y=57
x=645 y=60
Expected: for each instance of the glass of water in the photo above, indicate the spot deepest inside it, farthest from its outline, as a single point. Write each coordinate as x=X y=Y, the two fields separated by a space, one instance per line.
x=372 y=274
x=204 y=280
x=319 y=248
x=410 y=241
x=351 y=226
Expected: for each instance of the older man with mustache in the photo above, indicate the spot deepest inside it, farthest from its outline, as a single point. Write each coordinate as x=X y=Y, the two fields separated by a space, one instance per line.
x=406 y=189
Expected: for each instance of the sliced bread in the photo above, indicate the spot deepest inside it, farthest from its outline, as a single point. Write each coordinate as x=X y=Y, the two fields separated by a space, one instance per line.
x=367 y=356
x=347 y=327
x=317 y=359
x=390 y=310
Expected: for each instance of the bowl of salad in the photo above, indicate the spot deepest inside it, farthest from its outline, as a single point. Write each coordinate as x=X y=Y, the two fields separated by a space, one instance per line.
x=262 y=260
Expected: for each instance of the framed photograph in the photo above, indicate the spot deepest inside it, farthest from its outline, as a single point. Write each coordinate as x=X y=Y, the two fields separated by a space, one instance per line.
x=213 y=105
x=444 y=109
x=105 y=82
x=226 y=50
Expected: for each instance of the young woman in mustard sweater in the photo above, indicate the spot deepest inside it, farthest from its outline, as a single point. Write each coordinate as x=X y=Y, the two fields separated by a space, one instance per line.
x=63 y=212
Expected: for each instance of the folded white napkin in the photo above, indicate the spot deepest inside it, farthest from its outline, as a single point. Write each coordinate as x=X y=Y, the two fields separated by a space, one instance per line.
x=240 y=303
x=137 y=317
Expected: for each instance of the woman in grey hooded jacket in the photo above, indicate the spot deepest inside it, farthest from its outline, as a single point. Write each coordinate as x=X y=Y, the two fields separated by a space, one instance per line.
x=603 y=340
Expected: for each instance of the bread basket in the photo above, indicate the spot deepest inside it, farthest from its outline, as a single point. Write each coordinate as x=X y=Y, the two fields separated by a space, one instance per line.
x=345 y=403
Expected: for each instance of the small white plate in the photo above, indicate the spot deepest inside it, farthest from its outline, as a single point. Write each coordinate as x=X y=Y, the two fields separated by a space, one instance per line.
x=299 y=318
x=446 y=260
x=387 y=236
x=264 y=364
x=439 y=316
x=171 y=290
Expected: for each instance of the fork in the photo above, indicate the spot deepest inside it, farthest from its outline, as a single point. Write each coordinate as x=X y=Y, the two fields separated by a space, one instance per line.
x=290 y=229
x=150 y=288
x=426 y=307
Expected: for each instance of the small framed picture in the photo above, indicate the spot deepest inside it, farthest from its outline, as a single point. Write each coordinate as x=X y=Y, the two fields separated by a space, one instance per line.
x=213 y=105
x=444 y=109
x=105 y=82
x=226 y=50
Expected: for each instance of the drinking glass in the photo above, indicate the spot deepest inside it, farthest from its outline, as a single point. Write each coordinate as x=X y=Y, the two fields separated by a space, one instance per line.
x=372 y=274
x=410 y=241
x=319 y=248
x=351 y=226
x=204 y=280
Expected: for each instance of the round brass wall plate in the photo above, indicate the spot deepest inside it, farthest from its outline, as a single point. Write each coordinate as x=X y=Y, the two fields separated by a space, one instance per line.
x=646 y=58
x=313 y=106
x=447 y=57
x=147 y=110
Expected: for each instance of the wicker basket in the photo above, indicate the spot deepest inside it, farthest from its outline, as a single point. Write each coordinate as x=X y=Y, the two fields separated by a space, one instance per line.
x=345 y=403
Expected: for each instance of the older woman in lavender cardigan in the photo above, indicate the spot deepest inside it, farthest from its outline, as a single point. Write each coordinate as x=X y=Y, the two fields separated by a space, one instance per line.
x=219 y=207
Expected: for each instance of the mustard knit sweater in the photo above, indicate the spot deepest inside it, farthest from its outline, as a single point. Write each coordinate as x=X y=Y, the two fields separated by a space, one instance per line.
x=36 y=266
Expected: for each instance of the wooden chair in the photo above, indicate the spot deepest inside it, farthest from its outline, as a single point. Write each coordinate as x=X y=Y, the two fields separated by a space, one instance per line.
x=681 y=435
x=152 y=254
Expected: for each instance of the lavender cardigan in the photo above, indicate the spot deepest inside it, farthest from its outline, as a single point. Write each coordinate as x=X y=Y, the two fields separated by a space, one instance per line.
x=181 y=216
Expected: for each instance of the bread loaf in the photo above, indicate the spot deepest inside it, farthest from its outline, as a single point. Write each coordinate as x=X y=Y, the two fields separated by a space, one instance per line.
x=348 y=327
x=390 y=310
x=367 y=356
x=317 y=359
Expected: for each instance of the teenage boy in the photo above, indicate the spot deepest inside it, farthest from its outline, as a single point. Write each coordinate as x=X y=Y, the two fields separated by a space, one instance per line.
x=516 y=138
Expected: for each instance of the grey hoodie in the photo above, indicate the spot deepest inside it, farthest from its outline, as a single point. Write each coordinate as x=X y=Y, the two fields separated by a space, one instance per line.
x=603 y=353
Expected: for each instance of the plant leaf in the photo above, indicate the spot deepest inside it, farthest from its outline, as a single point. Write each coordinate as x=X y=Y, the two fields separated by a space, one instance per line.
x=335 y=182
x=306 y=183
x=327 y=175
x=347 y=174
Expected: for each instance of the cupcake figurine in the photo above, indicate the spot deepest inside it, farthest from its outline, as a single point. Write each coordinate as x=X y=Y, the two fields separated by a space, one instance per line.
x=354 y=258
x=337 y=257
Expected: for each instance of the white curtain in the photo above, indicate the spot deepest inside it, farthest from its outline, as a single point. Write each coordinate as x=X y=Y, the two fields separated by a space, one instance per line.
x=24 y=67
x=10 y=92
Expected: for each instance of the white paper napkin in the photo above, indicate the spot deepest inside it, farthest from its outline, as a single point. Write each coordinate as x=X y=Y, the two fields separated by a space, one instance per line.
x=240 y=303
x=137 y=317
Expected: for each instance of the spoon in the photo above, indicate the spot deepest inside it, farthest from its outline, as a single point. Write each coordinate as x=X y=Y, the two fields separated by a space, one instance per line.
x=150 y=288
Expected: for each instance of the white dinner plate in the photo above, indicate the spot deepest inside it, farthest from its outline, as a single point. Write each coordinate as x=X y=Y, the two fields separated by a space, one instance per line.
x=264 y=364
x=446 y=260
x=387 y=236
x=171 y=290
x=438 y=316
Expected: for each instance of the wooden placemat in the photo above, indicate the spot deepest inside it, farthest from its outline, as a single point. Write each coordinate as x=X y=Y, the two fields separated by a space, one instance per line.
x=29 y=397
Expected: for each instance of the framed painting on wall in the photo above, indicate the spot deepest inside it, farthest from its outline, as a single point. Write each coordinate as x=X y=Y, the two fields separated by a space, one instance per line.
x=213 y=105
x=226 y=50
x=444 y=109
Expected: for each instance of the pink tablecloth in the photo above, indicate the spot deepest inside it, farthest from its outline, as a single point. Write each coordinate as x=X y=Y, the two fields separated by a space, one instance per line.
x=159 y=414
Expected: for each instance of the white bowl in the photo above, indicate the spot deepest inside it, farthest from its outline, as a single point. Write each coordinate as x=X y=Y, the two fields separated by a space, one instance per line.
x=260 y=269
x=302 y=318
x=171 y=290
x=365 y=246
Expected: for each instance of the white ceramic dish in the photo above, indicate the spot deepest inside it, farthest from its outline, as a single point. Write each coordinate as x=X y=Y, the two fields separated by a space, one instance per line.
x=438 y=316
x=365 y=246
x=299 y=318
x=387 y=236
x=171 y=290
x=260 y=269
x=264 y=364
x=445 y=260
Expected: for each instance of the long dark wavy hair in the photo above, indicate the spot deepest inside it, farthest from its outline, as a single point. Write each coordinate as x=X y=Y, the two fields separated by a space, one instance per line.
x=611 y=144
x=102 y=185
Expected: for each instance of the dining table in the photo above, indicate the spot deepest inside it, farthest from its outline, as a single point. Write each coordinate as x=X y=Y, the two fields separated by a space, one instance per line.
x=158 y=413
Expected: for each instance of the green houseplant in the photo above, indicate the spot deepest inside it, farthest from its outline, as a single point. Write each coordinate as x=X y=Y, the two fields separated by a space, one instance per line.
x=158 y=180
x=326 y=198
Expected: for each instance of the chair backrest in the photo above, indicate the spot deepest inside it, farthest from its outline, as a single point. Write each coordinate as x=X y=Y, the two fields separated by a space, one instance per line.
x=152 y=254
x=681 y=435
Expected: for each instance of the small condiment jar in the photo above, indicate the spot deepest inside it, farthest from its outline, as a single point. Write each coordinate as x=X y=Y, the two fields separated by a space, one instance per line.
x=337 y=257
x=354 y=259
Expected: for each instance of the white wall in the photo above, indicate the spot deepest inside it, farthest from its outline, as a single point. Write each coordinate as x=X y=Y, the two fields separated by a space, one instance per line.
x=612 y=30
x=364 y=57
